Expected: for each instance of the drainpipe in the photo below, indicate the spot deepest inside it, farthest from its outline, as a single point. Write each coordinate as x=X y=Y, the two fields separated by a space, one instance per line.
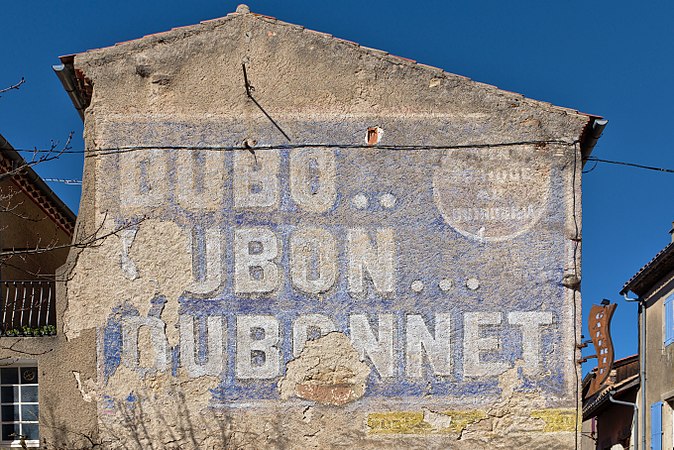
x=636 y=416
x=642 y=363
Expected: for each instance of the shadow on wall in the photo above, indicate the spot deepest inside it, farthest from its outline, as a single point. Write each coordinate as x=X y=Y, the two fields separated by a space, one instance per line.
x=146 y=422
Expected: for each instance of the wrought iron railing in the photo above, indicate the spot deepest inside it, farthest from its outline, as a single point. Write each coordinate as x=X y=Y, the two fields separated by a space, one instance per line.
x=27 y=308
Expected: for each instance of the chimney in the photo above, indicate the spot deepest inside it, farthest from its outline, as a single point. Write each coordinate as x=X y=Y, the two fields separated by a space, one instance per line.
x=671 y=232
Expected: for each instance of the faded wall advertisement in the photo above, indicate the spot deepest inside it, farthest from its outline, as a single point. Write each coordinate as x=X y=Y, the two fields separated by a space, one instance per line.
x=441 y=266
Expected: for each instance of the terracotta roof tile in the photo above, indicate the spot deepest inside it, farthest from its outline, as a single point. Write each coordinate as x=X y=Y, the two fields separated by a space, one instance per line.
x=641 y=281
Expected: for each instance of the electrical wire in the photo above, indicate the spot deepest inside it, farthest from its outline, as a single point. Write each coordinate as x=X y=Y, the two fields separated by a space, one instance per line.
x=289 y=146
x=71 y=182
x=591 y=168
x=628 y=164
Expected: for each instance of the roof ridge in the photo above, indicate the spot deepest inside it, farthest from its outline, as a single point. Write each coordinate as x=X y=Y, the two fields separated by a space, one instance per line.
x=243 y=11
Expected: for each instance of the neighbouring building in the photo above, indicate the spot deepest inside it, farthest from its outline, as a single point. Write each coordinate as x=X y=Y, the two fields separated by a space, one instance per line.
x=654 y=289
x=608 y=423
x=313 y=244
x=36 y=228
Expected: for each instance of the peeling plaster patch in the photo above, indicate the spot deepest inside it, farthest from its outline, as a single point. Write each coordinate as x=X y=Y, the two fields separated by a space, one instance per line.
x=437 y=420
x=88 y=389
x=571 y=281
x=556 y=419
x=158 y=253
x=328 y=371
x=517 y=412
x=128 y=266
x=425 y=422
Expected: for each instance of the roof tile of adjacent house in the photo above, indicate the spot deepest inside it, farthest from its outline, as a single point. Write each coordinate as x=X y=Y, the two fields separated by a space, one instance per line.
x=661 y=264
x=35 y=188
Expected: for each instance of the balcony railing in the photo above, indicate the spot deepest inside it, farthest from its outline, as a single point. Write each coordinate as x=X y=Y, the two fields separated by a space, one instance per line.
x=27 y=308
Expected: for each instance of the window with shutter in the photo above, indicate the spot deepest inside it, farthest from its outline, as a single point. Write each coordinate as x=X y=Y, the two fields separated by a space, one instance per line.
x=669 y=320
x=656 y=426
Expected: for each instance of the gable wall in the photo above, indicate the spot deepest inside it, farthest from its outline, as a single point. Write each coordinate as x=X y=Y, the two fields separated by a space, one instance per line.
x=429 y=279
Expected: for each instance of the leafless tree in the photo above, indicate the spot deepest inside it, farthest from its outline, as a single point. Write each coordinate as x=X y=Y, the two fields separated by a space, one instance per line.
x=28 y=258
x=12 y=87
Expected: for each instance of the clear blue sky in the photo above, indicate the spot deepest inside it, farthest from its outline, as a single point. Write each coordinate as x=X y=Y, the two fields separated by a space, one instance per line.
x=614 y=59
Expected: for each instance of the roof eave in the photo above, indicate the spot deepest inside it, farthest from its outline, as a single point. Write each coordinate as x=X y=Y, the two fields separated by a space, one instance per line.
x=601 y=399
x=80 y=95
x=641 y=282
x=591 y=134
x=9 y=152
x=66 y=74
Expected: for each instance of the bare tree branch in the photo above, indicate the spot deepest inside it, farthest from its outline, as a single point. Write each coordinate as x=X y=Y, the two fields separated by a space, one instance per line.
x=13 y=348
x=6 y=206
x=14 y=86
x=88 y=241
x=54 y=152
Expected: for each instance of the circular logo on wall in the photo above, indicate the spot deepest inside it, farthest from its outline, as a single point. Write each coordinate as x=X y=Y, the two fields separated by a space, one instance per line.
x=491 y=194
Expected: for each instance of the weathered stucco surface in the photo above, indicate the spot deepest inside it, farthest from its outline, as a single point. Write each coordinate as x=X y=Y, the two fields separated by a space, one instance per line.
x=317 y=292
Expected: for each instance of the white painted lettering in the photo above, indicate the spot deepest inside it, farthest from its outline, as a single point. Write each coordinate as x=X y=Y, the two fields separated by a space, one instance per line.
x=215 y=336
x=318 y=323
x=256 y=183
x=379 y=261
x=130 y=351
x=474 y=345
x=255 y=272
x=201 y=180
x=530 y=323
x=312 y=179
x=143 y=179
x=129 y=268
x=211 y=278
x=420 y=342
x=258 y=352
x=313 y=260
x=378 y=349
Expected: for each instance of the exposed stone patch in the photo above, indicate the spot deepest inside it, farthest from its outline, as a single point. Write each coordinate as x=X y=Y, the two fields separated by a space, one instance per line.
x=518 y=415
x=328 y=371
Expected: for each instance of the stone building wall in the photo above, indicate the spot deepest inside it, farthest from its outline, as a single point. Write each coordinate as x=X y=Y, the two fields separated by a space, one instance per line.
x=659 y=361
x=410 y=285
